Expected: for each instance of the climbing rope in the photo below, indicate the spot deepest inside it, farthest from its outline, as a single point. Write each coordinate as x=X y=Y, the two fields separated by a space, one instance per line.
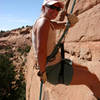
x=68 y=23
x=41 y=86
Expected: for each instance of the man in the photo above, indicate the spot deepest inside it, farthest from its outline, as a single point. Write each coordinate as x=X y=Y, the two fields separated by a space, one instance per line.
x=44 y=41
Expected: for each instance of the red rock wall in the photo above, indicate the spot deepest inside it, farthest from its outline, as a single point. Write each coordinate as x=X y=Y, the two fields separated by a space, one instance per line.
x=82 y=45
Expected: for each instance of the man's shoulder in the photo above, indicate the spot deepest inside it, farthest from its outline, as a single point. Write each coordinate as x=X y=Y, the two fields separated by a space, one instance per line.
x=43 y=22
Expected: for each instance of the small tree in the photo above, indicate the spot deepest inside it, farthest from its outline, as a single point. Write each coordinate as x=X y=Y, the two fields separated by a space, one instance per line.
x=2 y=31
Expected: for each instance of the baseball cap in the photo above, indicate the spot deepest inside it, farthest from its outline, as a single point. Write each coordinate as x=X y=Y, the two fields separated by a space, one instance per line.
x=51 y=2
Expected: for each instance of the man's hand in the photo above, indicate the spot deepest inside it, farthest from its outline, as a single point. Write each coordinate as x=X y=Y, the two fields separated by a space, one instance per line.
x=43 y=77
x=73 y=19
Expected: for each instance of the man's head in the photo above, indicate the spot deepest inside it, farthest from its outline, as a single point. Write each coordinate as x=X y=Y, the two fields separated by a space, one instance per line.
x=52 y=7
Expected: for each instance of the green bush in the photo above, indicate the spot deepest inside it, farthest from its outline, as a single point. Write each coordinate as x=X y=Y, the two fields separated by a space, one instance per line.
x=10 y=87
x=24 y=50
x=2 y=31
x=27 y=48
x=22 y=26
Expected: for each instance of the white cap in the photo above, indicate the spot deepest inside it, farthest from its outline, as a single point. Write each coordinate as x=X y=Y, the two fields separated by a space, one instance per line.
x=51 y=2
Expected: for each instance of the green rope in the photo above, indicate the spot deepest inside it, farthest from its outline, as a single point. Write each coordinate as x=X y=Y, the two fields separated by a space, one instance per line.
x=41 y=90
x=68 y=24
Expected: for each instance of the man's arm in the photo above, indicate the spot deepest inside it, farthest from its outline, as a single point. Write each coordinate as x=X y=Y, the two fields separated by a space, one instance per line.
x=59 y=25
x=43 y=30
x=72 y=18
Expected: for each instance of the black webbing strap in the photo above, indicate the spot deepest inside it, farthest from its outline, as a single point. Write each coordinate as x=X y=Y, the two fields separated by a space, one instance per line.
x=61 y=74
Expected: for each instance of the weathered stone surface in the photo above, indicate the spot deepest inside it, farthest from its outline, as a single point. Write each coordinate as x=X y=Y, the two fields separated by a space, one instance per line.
x=61 y=92
x=51 y=92
x=32 y=80
x=16 y=47
x=87 y=29
x=82 y=45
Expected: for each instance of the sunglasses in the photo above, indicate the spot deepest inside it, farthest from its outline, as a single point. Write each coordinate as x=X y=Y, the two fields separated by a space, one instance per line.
x=53 y=7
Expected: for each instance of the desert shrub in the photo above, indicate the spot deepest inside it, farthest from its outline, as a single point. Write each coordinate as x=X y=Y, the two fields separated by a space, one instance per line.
x=10 y=87
x=2 y=31
x=27 y=25
x=22 y=26
x=27 y=48
x=24 y=50
x=23 y=63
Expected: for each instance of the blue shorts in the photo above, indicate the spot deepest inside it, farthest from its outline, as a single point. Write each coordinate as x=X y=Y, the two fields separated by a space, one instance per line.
x=54 y=76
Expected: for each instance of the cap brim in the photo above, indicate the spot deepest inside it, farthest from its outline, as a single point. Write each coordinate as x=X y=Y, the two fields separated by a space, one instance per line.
x=54 y=2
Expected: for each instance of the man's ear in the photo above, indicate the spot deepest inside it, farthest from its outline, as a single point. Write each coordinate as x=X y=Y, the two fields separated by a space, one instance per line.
x=43 y=8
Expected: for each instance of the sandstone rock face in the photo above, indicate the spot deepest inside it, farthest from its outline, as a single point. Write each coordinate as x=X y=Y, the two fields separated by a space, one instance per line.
x=82 y=45
x=52 y=92
x=32 y=80
x=15 y=45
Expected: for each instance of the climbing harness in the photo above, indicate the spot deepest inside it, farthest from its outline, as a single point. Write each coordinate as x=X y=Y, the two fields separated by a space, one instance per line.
x=55 y=50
